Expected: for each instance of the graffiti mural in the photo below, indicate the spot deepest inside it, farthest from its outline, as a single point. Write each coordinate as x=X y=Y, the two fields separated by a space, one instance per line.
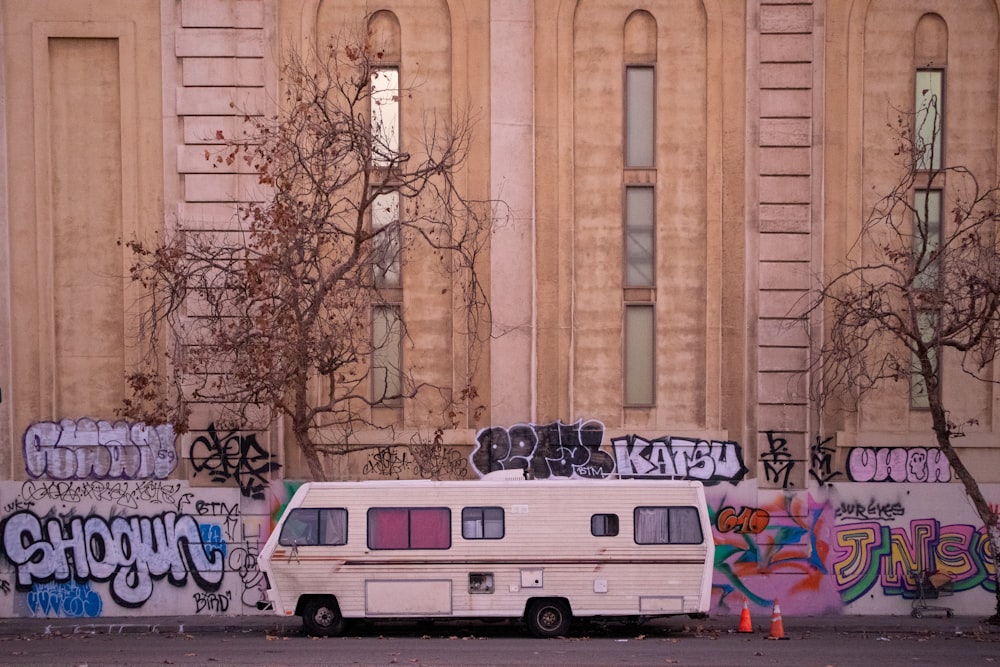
x=64 y=600
x=871 y=554
x=129 y=552
x=98 y=548
x=786 y=557
x=234 y=456
x=92 y=449
x=679 y=458
x=746 y=520
x=575 y=450
x=897 y=464
x=550 y=450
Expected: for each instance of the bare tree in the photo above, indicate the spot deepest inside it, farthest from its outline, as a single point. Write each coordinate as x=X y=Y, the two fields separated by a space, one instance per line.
x=921 y=295
x=296 y=314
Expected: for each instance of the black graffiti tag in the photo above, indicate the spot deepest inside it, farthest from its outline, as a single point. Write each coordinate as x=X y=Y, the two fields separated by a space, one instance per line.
x=233 y=456
x=547 y=450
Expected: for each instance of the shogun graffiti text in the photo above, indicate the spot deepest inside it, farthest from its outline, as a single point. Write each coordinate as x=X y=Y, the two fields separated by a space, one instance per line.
x=130 y=552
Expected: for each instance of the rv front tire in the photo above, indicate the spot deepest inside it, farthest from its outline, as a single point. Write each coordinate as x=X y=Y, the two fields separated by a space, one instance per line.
x=321 y=617
x=548 y=618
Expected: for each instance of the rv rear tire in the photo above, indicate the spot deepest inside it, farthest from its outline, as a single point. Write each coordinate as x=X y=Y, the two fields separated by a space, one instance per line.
x=548 y=618
x=321 y=617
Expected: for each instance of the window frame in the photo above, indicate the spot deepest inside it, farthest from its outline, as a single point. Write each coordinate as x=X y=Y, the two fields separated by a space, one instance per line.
x=670 y=511
x=630 y=115
x=484 y=522
x=631 y=365
x=387 y=359
x=610 y=523
x=648 y=230
x=370 y=527
x=919 y=117
x=387 y=275
x=318 y=525
x=385 y=101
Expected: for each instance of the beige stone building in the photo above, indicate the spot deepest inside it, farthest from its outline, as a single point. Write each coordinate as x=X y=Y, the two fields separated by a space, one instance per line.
x=679 y=174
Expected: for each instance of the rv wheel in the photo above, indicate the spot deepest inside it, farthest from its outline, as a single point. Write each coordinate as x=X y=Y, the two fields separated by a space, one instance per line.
x=548 y=618
x=321 y=617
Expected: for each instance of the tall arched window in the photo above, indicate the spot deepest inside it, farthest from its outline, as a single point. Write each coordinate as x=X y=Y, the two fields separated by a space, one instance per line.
x=639 y=178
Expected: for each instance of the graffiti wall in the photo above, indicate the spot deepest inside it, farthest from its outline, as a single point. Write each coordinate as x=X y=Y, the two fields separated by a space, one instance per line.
x=101 y=526
x=854 y=542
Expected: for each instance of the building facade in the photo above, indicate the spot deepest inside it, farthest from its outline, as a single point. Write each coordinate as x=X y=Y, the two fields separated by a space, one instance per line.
x=679 y=174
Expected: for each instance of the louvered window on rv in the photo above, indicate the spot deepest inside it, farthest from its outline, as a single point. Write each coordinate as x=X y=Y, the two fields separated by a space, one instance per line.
x=604 y=525
x=667 y=525
x=482 y=523
x=409 y=528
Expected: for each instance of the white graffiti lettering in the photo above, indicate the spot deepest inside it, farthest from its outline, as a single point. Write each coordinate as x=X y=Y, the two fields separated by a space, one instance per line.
x=679 y=458
x=89 y=449
x=130 y=552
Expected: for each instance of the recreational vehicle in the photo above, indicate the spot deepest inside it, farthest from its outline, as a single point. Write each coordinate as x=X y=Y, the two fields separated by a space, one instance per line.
x=544 y=551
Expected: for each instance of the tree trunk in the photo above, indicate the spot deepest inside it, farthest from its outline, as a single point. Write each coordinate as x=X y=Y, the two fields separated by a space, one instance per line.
x=972 y=490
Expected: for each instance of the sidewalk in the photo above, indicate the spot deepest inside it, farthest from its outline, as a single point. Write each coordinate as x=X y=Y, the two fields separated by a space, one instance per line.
x=794 y=626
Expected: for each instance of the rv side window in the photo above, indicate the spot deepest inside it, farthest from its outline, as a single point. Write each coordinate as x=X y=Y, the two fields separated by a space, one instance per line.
x=482 y=523
x=409 y=528
x=310 y=527
x=301 y=527
x=667 y=525
x=604 y=525
x=333 y=526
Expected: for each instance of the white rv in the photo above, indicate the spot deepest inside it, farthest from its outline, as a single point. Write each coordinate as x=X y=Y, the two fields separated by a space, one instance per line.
x=542 y=550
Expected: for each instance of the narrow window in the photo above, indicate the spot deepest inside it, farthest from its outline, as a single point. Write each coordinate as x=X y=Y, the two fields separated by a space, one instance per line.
x=927 y=324
x=667 y=525
x=639 y=357
x=929 y=114
x=926 y=238
x=409 y=528
x=387 y=382
x=640 y=100
x=604 y=525
x=385 y=115
x=640 y=224
x=385 y=227
x=482 y=523
x=333 y=526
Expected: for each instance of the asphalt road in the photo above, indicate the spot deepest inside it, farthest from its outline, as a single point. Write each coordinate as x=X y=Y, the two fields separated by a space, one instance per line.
x=454 y=644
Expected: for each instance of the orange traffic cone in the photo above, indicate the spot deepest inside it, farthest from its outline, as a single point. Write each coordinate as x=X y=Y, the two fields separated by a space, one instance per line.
x=745 y=624
x=777 y=626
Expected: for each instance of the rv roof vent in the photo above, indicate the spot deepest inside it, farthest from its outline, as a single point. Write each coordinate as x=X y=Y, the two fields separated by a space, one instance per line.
x=513 y=475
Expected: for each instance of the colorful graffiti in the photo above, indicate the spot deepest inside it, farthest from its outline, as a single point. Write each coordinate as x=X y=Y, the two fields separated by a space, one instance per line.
x=97 y=449
x=870 y=554
x=786 y=558
x=746 y=520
